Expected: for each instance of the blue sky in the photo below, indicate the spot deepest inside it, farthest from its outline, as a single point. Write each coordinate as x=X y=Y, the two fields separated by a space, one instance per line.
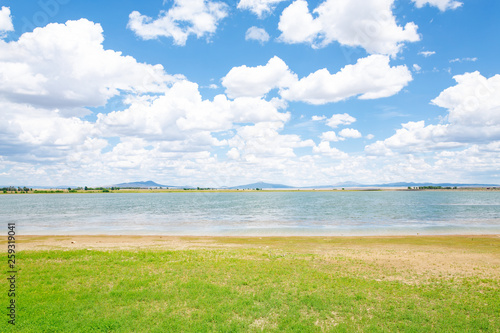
x=220 y=93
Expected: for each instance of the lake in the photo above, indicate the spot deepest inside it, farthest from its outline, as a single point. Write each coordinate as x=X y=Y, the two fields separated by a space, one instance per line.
x=255 y=213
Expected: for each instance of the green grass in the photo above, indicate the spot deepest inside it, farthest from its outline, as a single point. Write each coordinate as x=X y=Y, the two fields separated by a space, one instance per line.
x=269 y=284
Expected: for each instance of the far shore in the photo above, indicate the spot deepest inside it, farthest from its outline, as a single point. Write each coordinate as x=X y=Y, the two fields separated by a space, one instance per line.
x=189 y=190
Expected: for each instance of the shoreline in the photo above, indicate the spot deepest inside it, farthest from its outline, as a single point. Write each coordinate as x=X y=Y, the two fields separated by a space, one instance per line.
x=264 y=190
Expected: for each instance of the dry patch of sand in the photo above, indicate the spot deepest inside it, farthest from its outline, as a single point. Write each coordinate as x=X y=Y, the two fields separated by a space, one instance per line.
x=107 y=242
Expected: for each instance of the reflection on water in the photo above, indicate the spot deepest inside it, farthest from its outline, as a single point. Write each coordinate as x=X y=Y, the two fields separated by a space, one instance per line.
x=255 y=213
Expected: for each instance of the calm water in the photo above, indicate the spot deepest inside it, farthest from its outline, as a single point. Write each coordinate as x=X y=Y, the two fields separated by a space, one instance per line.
x=255 y=213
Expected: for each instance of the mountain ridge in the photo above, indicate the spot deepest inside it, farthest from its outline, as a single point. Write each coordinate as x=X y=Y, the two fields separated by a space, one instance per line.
x=265 y=185
x=259 y=185
x=142 y=184
x=354 y=185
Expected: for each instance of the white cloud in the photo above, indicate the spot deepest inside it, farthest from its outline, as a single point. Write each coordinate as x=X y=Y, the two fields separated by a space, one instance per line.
x=473 y=102
x=370 y=78
x=259 y=7
x=65 y=66
x=330 y=136
x=473 y=117
x=257 y=81
x=258 y=34
x=350 y=133
x=5 y=22
x=181 y=113
x=411 y=138
x=170 y=133
x=298 y=25
x=233 y=154
x=340 y=119
x=263 y=140
x=427 y=53
x=37 y=135
x=463 y=59
x=417 y=68
x=325 y=149
x=366 y=23
x=184 y=18
x=441 y=4
x=370 y=136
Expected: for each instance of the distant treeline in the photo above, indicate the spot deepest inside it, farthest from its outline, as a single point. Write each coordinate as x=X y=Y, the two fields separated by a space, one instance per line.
x=432 y=188
x=48 y=191
x=15 y=189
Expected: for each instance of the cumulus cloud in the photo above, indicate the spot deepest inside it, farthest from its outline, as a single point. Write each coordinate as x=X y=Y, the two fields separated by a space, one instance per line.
x=258 y=34
x=331 y=136
x=65 y=66
x=359 y=23
x=41 y=135
x=411 y=138
x=181 y=112
x=473 y=102
x=168 y=131
x=5 y=22
x=443 y=5
x=166 y=123
x=370 y=78
x=350 y=133
x=340 y=119
x=184 y=18
x=259 y=7
x=297 y=25
x=325 y=149
x=473 y=106
x=264 y=140
x=258 y=81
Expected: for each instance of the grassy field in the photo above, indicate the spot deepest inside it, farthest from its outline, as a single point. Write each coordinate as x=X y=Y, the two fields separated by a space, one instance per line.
x=287 y=284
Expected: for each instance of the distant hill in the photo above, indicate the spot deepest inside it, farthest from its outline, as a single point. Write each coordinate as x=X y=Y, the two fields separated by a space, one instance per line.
x=400 y=184
x=348 y=184
x=403 y=184
x=143 y=184
x=259 y=185
x=263 y=185
x=343 y=184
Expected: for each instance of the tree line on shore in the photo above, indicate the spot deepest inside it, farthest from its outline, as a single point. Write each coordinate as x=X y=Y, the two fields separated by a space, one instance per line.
x=432 y=188
x=14 y=189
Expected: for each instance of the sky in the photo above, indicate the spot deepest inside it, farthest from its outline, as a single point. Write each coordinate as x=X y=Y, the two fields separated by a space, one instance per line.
x=227 y=92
